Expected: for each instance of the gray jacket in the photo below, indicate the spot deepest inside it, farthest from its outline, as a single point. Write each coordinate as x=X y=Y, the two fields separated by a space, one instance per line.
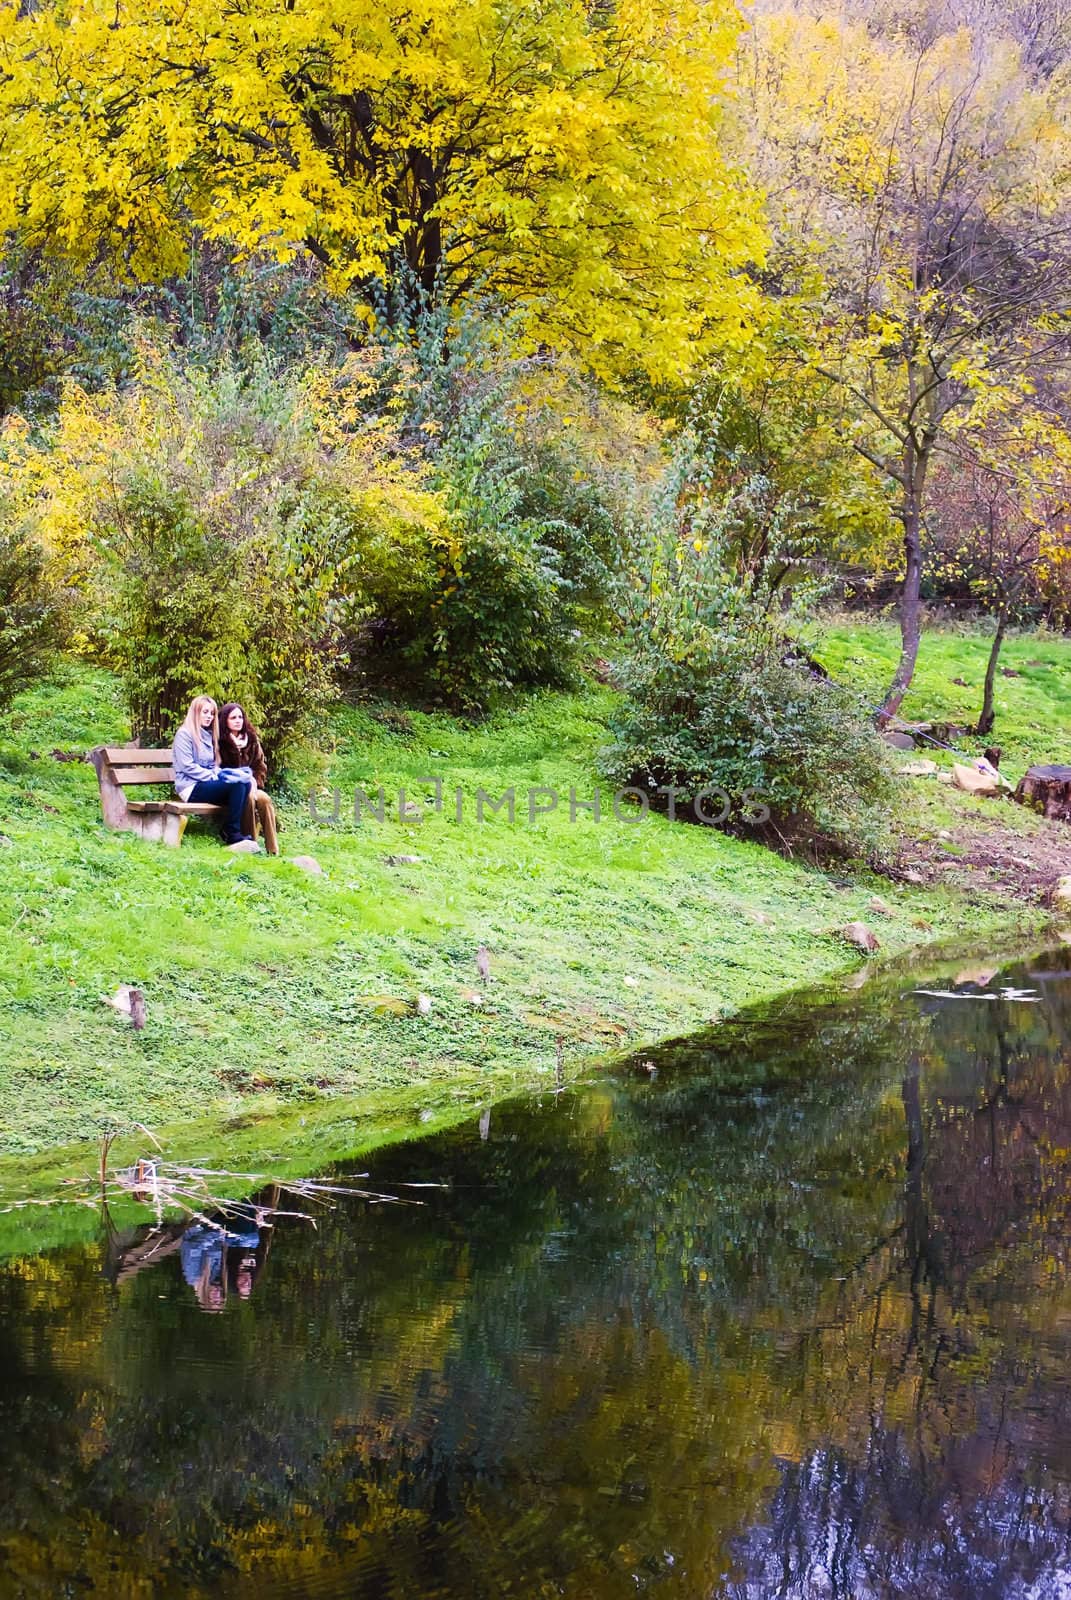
x=193 y=763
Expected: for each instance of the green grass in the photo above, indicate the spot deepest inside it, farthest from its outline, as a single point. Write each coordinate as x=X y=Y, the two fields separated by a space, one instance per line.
x=268 y=988
x=1033 y=721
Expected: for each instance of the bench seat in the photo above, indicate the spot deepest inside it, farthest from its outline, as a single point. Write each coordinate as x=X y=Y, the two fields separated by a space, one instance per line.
x=173 y=808
x=120 y=768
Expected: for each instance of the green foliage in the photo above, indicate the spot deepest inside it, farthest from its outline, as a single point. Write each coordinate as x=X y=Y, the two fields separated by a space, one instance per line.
x=717 y=693
x=59 y=324
x=533 y=471
x=431 y=504
x=56 y=323
x=202 y=520
x=29 y=617
x=221 y=308
x=766 y=418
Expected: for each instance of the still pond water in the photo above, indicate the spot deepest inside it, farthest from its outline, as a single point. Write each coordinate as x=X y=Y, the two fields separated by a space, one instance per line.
x=788 y=1315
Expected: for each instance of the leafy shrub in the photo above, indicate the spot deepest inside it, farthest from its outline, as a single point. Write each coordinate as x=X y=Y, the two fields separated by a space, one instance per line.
x=459 y=618
x=435 y=506
x=29 y=619
x=206 y=518
x=532 y=469
x=716 y=693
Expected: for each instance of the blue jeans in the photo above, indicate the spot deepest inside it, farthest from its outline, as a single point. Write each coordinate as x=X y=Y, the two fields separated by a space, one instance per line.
x=219 y=792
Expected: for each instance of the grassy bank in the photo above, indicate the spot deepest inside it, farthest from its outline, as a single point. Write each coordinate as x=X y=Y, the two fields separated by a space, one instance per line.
x=53 y=1198
x=268 y=988
x=1033 y=707
x=974 y=846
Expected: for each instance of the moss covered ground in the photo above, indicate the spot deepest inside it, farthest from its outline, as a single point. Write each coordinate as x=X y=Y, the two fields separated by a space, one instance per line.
x=273 y=993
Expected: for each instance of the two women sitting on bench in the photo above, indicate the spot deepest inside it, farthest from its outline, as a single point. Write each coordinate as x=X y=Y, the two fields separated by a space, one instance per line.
x=224 y=765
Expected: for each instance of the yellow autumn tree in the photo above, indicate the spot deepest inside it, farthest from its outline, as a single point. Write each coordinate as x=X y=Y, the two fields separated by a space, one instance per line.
x=561 y=155
x=921 y=214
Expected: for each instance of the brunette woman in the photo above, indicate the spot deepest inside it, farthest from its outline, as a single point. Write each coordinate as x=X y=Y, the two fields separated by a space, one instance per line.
x=195 y=758
x=240 y=746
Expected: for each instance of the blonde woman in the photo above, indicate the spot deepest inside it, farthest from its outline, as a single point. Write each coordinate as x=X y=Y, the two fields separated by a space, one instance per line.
x=195 y=757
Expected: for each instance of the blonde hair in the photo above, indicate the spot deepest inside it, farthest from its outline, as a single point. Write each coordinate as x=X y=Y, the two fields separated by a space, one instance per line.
x=192 y=724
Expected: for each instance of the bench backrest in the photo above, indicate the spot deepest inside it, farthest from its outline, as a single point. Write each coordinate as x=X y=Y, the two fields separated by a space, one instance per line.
x=116 y=767
x=139 y=766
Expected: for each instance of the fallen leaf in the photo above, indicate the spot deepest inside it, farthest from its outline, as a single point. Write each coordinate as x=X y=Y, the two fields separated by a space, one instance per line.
x=385 y=1005
x=859 y=934
x=308 y=864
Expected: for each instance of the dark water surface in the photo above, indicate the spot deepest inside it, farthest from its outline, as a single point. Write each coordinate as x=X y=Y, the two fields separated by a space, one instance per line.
x=790 y=1315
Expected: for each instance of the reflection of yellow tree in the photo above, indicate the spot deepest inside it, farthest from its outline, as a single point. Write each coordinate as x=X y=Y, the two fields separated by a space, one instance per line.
x=923 y=1384
x=754 y=1312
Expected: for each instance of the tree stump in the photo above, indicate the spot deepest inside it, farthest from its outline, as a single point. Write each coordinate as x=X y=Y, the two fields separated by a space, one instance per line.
x=1048 y=790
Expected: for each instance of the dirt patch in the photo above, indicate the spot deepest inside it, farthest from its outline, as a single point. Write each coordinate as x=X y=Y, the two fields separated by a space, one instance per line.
x=1008 y=854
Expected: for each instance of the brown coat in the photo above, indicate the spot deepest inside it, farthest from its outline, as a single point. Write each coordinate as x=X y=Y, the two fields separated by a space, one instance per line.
x=252 y=755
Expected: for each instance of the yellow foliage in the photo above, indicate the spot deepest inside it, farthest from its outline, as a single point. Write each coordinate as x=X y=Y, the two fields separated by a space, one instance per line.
x=68 y=487
x=564 y=158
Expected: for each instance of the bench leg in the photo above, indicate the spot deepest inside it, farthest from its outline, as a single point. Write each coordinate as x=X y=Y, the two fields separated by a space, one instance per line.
x=160 y=828
x=147 y=827
x=174 y=828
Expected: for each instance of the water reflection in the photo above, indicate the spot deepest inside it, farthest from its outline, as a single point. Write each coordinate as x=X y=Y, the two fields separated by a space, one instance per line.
x=788 y=1315
x=220 y=1254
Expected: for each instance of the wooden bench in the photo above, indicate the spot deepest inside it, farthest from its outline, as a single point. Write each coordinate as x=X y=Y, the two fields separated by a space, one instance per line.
x=118 y=770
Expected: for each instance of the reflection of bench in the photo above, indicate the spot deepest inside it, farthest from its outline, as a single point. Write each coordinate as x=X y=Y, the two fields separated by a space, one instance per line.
x=117 y=770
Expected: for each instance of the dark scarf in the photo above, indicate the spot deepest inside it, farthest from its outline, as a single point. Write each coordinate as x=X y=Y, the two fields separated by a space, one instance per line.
x=250 y=754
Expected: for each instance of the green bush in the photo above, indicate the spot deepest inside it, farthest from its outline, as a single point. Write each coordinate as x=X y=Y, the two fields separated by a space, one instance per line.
x=29 y=619
x=715 y=693
x=203 y=519
x=533 y=470
x=462 y=609
x=181 y=609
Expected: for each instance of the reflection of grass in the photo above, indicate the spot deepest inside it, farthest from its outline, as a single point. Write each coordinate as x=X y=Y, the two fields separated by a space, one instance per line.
x=290 y=1141
x=286 y=1141
x=268 y=988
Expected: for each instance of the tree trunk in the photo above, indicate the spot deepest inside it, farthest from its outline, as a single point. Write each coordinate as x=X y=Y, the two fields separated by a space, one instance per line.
x=916 y=1217
x=988 y=716
x=424 y=246
x=1047 y=789
x=914 y=480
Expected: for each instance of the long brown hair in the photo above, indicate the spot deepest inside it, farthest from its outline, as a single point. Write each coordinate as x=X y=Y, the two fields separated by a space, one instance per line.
x=253 y=755
x=193 y=727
